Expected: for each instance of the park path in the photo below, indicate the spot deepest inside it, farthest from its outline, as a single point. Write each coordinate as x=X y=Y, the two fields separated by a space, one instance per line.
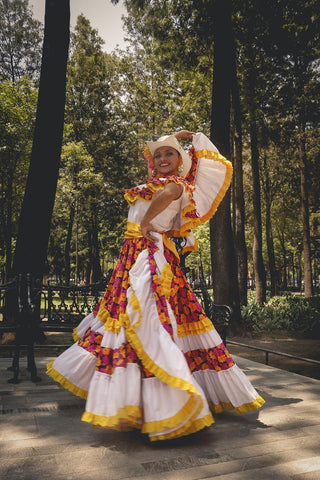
x=42 y=437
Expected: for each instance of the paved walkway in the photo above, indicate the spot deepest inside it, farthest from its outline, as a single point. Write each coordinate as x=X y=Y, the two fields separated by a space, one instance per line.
x=42 y=437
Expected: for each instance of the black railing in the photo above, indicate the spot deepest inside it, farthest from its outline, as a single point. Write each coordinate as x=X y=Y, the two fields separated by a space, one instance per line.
x=267 y=351
x=63 y=307
x=29 y=309
x=220 y=315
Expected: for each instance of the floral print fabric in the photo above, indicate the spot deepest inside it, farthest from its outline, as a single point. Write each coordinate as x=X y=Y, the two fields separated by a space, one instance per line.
x=108 y=359
x=216 y=358
x=188 y=313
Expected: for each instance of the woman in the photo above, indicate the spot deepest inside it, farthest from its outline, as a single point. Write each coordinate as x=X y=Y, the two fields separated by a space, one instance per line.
x=148 y=357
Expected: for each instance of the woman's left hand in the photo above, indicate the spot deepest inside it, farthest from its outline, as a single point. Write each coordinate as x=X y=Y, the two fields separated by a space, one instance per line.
x=184 y=134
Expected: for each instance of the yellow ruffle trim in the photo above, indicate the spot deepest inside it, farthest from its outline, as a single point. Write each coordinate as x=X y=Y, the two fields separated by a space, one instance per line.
x=192 y=223
x=190 y=427
x=194 y=328
x=154 y=187
x=191 y=248
x=126 y=418
x=64 y=382
x=246 y=407
x=170 y=245
x=210 y=155
x=113 y=324
x=75 y=334
x=158 y=425
x=165 y=378
x=166 y=279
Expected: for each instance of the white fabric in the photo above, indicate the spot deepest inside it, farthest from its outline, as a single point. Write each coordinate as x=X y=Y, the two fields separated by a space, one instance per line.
x=76 y=365
x=173 y=388
x=89 y=321
x=109 y=393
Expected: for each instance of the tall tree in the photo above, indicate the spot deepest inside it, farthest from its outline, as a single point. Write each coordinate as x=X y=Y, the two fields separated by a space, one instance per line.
x=238 y=196
x=225 y=283
x=88 y=109
x=20 y=41
x=34 y=224
x=269 y=234
x=88 y=90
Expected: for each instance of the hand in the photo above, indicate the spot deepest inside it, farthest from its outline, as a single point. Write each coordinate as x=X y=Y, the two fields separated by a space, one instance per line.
x=146 y=228
x=184 y=134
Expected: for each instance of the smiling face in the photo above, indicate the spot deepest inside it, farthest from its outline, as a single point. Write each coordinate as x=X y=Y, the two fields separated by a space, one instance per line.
x=166 y=161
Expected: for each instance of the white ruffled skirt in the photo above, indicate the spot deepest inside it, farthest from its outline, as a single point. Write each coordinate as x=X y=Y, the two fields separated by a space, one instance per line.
x=140 y=372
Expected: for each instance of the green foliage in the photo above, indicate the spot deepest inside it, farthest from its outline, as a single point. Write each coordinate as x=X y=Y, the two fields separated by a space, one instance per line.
x=199 y=262
x=163 y=83
x=292 y=313
x=79 y=191
x=88 y=90
x=20 y=41
x=17 y=114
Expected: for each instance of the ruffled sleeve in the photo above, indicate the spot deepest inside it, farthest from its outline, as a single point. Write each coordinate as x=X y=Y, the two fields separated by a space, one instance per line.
x=210 y=176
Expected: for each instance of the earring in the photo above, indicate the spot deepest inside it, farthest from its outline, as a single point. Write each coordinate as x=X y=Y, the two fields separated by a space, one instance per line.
x=180 y=169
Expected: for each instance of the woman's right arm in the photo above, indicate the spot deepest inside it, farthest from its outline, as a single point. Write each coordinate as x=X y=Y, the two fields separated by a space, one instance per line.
x=171 y=192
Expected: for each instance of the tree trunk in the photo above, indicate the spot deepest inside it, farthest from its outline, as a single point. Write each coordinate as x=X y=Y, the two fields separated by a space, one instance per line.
x=284 y=267
x=36 y=213
x=238 y=197
x=67 y=246
x=269 y=235
x=224 y=267
x=299 y=271
x=308 y=287
x=8 y=228
x=258 y=265
x=96 y=273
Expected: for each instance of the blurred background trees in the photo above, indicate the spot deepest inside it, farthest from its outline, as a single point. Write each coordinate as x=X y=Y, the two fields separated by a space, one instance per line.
x=163 y=82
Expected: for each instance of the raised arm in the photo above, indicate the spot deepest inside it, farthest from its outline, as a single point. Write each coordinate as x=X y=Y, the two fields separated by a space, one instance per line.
x=184 y=134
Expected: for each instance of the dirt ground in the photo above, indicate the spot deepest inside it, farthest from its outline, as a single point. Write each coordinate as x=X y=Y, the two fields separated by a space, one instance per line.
x=282 y=342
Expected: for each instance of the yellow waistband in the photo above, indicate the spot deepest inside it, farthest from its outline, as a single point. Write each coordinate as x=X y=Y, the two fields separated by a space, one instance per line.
x=133 y=230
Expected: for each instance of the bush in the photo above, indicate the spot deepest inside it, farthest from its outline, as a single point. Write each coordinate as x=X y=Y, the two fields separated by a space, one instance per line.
x=290 y=312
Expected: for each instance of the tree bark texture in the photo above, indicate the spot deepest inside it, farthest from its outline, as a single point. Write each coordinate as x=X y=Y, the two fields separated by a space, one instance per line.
x=8 y=228
x=36 y=213
x=284 y=265
x=238 y=197
x=269 y=235
x=224 y=267
x=68 y=244
x=258 y=264
x=94 y=251
x=307 y=265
